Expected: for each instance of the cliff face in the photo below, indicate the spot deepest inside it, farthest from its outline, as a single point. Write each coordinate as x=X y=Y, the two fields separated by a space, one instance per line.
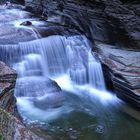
x=113 y=22
x=122 y=69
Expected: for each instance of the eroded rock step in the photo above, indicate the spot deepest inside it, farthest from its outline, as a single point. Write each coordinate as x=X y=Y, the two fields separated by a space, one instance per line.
x=122 y=69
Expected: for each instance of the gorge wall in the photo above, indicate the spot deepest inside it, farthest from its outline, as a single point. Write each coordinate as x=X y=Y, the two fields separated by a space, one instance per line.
x=113 y=22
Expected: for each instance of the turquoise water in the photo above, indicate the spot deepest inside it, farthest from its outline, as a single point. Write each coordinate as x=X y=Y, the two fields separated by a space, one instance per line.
x=94 y=121
x=87 y=117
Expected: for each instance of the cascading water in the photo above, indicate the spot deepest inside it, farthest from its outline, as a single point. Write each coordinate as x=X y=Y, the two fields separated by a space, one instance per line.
x=67 y=60
x=95 y=73
x=55 y=56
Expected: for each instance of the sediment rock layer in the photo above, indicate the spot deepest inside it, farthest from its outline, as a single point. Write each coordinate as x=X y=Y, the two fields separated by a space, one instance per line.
x=113 y=22
x=7 y=84
x=122 y=71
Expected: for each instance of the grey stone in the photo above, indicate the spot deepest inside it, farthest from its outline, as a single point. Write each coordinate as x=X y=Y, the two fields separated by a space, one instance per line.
x=122 y=71
x=26 y=23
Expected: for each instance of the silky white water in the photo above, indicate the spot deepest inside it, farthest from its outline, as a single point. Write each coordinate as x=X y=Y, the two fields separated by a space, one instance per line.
x=54 y=56
x=68 y=61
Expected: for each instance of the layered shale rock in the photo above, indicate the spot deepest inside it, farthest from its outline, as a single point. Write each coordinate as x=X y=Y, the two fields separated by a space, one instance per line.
x=84 y=16
x=122 y=71
x=12 y=129
x=124 y=20
x=7 y=84
x=113 y=22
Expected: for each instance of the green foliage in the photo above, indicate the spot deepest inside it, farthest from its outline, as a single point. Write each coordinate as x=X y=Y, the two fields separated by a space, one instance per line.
x=1 y=137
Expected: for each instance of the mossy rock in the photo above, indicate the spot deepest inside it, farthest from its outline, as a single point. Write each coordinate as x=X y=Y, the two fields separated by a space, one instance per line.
x=1 y=137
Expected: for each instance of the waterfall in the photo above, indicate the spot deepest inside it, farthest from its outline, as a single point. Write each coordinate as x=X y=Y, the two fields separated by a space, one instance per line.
x=47 y=63
x=55 y=56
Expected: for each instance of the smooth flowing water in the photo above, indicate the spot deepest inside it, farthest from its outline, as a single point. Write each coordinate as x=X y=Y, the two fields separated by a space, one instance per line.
x=82 y=109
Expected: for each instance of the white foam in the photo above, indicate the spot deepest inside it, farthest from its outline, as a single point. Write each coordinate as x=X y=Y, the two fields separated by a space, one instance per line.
x=35 y=114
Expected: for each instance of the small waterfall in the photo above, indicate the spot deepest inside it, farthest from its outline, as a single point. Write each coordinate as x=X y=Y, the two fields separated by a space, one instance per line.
x=54 y=55
x=44 y=64
x=76 y=54
x=29 y=66
x=95 y=73
x=13 y=53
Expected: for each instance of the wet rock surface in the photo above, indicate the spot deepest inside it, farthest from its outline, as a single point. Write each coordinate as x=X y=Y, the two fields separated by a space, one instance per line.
x=44 y=94
x=26 y=23
x=7 y=84
x=122 y=68
x=12 y=129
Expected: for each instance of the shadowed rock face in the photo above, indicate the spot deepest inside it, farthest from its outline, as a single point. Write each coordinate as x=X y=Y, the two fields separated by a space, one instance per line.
x=113 y=22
